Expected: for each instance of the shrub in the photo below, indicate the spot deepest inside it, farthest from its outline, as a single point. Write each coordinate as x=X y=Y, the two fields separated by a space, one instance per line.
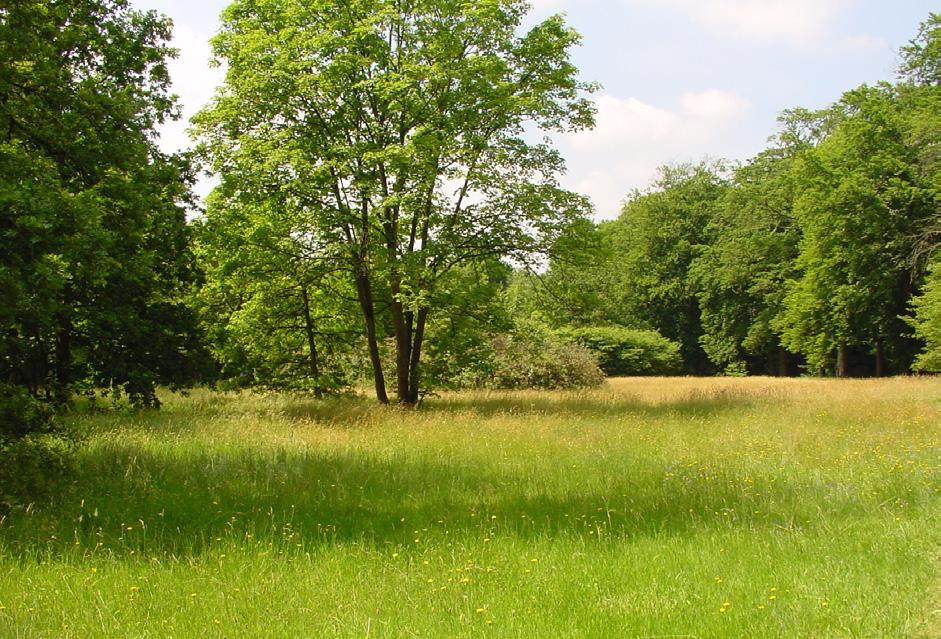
x=32 y=459
x=21 y=414
x=625 y=351
x=33 y=467
x=520 y=363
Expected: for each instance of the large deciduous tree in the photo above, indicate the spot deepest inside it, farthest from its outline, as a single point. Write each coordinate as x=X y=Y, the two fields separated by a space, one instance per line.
x=861 y=198
x=742 y=276
x=275 y=309
x=401 y=132
x=655 y=240
x=93 y=239
x=920 y=92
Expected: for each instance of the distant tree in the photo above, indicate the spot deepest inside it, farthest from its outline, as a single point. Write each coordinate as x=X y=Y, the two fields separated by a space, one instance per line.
x=472 y=308
x=93 y=236
x=397 y=128
x=578 y=287
x=741 y=277
x=921 y=58
x=860 y=200
x=927 y=321
x=625 y=351
x=653 y=244
x=920 y=93
x=275 y=309
x=920 y=96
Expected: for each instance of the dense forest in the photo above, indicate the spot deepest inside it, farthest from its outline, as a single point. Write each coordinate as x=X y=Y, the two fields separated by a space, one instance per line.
x=386 y=217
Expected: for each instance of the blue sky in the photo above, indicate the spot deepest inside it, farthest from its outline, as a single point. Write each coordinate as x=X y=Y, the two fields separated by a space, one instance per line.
x=682 y=79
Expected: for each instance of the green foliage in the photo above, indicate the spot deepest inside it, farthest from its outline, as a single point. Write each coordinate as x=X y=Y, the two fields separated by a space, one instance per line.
x=927 y=321
x=363 y=120
x=628 y=352
x=93 y=237
x=921 y=58
x=33 y=459
x=537 y=361
x=33 y=468
x=920 y=96
x=21 y=414
x=274 y=309
x=581 y=286
x=473 y=307
x=860 y=199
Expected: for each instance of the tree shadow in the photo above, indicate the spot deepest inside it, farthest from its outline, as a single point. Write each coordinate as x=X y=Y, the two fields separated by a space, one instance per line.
x=129 y=502
x=349 y=412
x=692 y=405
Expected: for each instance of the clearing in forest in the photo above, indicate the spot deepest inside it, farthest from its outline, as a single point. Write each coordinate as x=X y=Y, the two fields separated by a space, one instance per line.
x=651 y=507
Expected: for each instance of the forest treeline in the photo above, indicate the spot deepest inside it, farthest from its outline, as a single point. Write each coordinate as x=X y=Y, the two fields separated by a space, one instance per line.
x=819 y=255
x=385 y=217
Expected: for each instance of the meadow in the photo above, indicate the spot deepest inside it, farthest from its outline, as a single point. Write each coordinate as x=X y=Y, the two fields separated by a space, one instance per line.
x=648 y=508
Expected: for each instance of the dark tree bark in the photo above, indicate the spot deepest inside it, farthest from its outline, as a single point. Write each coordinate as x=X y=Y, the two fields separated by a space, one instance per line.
x=310 y=329
x=880 y=359
x=842 y=365
x=63 y=350
x=63 y=367
x=413 y=368
x=364 y=291
x=402 y=322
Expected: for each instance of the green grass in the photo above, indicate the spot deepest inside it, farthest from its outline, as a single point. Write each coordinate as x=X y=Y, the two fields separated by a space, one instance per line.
x=651 y=508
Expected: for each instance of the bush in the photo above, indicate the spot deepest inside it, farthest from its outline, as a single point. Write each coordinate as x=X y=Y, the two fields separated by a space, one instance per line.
x=21 y=414
x=529 y=357
x=32 y=468
x=520 y=363
x=32 y=459
x=625 y=351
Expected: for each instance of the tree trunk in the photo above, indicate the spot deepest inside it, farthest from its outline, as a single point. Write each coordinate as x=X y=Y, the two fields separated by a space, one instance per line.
x=402 y=320
x=63 y=351
x=842 y=366
x=880 y=359
x=403 y=347
x=311 y=344
x=782 y=362
x=369 y=316
x=413 y=369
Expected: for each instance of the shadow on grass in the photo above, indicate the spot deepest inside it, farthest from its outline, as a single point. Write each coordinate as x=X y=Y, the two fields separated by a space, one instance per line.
x=352 y=411
x=130 y=502
x=346 y=411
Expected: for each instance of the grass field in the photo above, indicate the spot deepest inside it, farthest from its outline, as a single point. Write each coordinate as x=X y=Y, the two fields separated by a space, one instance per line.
x=651 y=508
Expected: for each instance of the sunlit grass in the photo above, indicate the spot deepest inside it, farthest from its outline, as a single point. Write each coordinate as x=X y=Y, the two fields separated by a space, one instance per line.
x=653 y=507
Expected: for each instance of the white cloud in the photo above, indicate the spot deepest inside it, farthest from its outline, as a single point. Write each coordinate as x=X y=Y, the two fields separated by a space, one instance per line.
x=632 y=138
x=626 y=119
x=795 y=22
x=193 y=81
x=714 y=104
x=862 y=42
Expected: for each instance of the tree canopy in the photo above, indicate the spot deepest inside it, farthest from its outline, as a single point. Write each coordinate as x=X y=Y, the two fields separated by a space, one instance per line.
x=93 y=240
x=397 y=132
x=389 y=209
